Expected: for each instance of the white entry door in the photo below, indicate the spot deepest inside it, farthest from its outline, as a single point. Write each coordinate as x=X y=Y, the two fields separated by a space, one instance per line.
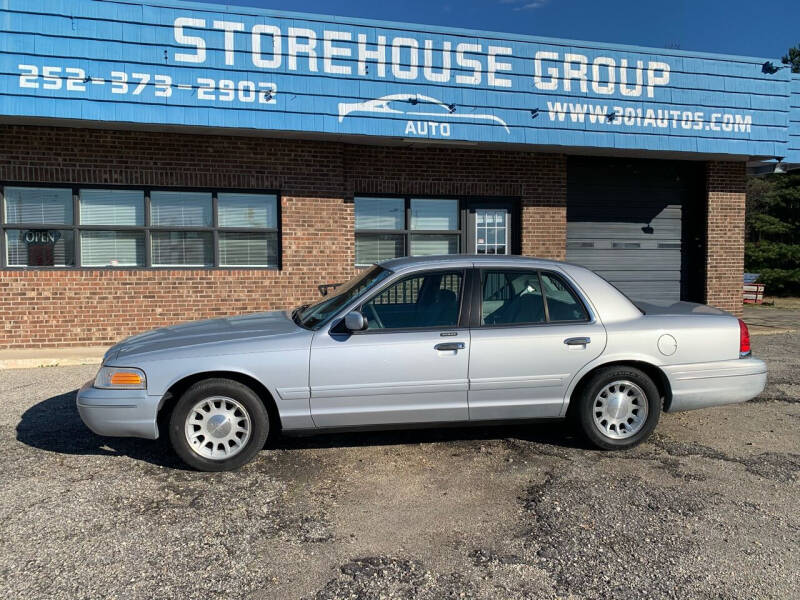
x=489 y=228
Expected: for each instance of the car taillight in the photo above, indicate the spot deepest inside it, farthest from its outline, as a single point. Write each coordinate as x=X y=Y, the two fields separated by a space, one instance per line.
x=744 y=340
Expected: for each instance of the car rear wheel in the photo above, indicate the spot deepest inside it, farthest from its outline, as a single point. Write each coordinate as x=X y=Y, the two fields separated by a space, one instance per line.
x=218 y=425
x=618 y=407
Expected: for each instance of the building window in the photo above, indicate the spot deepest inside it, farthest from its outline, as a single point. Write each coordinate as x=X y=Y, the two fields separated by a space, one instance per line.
x=35 y=234
x=95 y=227
x=112 y=248
x=38 y=205
x=40 y=247
x=391 y=227
x=112 y=208
x=239 y=214
x=182 y=248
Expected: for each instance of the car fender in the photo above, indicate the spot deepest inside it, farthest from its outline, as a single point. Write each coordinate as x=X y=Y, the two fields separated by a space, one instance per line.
x=605 y=359
x=284 y=373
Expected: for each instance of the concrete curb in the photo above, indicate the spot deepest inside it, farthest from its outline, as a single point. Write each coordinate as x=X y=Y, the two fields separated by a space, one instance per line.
x=51 y=357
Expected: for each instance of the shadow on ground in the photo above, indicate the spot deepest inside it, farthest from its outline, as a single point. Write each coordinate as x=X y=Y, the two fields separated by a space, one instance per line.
x=54 y=425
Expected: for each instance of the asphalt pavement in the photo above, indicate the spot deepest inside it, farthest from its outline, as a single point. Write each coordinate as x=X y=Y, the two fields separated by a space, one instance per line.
x=708 y=508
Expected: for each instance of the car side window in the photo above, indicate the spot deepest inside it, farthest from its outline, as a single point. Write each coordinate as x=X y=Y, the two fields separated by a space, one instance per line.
x=512 y=297
x=423 y=300
x=562 y=303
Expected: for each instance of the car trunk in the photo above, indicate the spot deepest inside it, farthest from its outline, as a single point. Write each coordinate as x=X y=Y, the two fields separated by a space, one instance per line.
x=677 y=308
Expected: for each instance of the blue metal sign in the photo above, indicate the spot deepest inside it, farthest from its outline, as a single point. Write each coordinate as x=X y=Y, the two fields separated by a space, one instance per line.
x=180 y=63
x=793 y=152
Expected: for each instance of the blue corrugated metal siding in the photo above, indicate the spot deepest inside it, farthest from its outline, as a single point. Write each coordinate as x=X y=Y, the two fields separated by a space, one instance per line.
x=793 y=153
x=704 y=103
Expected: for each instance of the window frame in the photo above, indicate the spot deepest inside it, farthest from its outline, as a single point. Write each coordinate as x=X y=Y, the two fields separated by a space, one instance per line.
x=477 y=298
x=465 y=203
x=464 y=303
x=147 y=228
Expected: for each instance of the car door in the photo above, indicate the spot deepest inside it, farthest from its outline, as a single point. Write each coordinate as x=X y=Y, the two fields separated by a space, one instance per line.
x=531 y=333
x=409 y=366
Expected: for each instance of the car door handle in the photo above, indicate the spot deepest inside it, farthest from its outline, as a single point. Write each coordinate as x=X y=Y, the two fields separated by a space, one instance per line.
x=449 y=346
x=577 y=341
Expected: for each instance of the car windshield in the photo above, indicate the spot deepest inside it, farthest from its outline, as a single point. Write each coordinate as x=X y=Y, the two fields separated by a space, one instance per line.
x=314 y=316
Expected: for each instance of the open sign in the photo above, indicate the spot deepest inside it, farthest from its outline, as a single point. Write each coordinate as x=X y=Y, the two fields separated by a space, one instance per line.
x=34 y=237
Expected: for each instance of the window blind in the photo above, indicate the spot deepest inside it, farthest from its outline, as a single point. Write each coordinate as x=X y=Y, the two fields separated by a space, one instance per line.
x=38 y=205
x=380 y=213
x=180 y=209
x=112 y=207
x=434 y=214
x=426 y=245
x=371 y=248
x=40 y=248
x=112 y=248
x=248 y=249
x=182 y=248
x=247 y=210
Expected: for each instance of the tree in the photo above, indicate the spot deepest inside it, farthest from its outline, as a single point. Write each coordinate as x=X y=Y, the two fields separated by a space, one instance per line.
x=773 y=232
x=772 y=247
x=793 y=59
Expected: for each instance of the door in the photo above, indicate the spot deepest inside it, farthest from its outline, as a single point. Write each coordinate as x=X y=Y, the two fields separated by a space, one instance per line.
x=638 y=223
x=409 y=366
x=530 y=336
x=489 y=227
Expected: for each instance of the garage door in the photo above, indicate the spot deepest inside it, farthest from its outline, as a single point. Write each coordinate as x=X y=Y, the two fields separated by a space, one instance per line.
x=632 y=221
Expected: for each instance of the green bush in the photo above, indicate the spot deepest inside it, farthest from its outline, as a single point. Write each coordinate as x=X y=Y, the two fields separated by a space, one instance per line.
x=770 y=255
x=780 y=282
x=773 y=232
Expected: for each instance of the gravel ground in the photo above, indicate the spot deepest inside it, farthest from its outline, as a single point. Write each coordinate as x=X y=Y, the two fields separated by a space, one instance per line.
x=708 y=508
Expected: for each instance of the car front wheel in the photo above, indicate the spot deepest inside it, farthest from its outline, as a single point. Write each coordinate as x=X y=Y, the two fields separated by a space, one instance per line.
x=618 y=407
x=218 y=425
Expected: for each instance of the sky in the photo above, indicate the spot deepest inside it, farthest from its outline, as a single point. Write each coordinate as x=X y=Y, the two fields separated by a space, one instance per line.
x=744 y=27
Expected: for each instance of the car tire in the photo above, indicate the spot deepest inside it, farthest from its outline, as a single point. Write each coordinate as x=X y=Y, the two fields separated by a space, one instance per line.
x=618 y=407
x=218 y=425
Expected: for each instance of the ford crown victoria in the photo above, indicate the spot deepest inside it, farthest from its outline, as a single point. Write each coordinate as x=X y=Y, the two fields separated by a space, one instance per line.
x=421 y=341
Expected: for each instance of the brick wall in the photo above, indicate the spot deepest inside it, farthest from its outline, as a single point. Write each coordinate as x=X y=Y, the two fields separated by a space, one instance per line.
x=726 y=187
x=317 y=181
x=538 y=180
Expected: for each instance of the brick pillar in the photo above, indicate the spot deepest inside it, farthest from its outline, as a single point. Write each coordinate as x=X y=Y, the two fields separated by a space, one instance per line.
x=726 y=189
x=544 y=209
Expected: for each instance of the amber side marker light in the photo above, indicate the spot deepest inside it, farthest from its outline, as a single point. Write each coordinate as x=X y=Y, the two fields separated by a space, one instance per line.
x=120 y=378
x=126 y=378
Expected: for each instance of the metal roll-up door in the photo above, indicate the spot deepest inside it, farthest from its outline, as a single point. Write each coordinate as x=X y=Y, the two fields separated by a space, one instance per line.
x=626 y=220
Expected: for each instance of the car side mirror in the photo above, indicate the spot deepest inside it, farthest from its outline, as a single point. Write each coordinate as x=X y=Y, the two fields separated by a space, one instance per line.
x=355 y=321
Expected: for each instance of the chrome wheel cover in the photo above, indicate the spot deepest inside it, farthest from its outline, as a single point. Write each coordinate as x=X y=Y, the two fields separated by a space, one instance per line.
x=218 y=427
x=620 y=410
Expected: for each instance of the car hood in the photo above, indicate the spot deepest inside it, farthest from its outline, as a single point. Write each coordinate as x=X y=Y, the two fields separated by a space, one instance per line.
x=224 y=335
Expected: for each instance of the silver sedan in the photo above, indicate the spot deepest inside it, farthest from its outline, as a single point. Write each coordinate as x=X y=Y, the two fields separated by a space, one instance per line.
x=462 y=339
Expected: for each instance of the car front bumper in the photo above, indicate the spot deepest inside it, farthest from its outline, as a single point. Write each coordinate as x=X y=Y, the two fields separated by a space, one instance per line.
x=118 y=413
x=712 y=384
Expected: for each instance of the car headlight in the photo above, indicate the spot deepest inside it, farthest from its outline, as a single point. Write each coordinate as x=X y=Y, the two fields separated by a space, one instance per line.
x=120 y=378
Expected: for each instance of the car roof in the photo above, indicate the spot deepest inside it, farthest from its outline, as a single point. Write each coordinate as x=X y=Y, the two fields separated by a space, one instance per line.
x=466 y=260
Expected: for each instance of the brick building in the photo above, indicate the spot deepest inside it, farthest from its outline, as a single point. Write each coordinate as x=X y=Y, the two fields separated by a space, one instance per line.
x=149 y=177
